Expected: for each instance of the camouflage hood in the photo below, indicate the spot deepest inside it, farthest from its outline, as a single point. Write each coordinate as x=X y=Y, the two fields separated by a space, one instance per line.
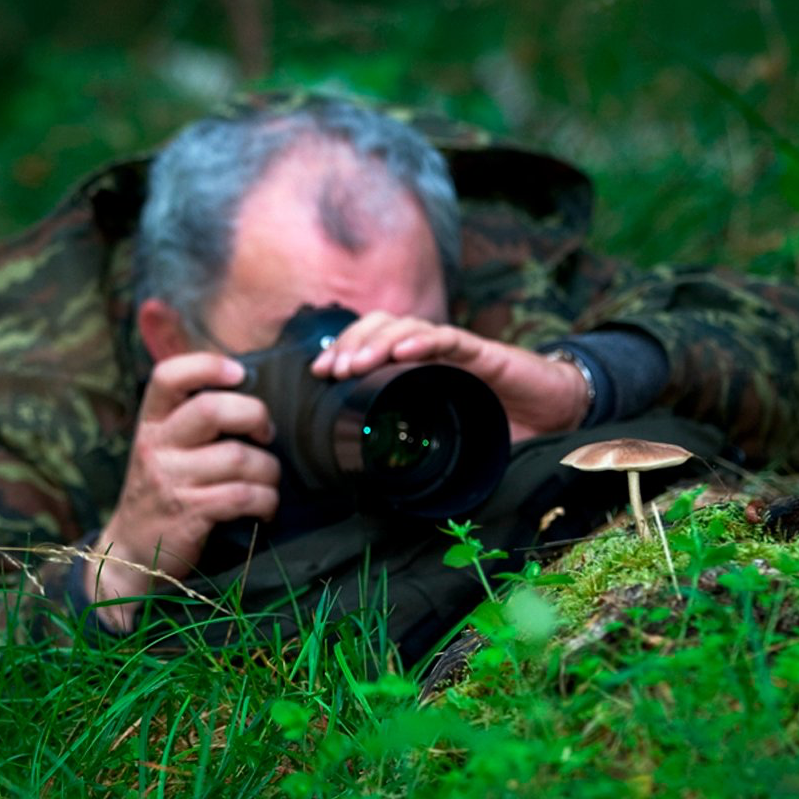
x=484 y=167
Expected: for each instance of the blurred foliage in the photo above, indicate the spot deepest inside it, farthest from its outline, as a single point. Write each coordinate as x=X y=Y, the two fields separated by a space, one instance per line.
x=682 y=112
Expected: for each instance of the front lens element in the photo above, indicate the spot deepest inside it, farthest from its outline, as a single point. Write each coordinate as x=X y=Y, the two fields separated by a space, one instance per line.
x=408 y=442
x=395 y=441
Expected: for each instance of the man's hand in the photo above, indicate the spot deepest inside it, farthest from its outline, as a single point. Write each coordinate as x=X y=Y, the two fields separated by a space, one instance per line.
x=184 y=475
x=539 y=395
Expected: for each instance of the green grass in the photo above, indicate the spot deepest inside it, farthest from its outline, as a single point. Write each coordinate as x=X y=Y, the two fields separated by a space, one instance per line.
x=618 y=689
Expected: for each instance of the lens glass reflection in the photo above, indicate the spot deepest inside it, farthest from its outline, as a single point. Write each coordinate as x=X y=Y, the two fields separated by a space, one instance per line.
x=396 y=441
x=408 y=441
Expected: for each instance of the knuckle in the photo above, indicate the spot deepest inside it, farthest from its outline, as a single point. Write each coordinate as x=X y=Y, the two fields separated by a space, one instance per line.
x=236 y=455
x=263 y=468
x=249 y=499
x=275 y=470
x=242 y=496
x=448 y=330
x=161 y=374
x=262 y=418
x=144 y=459
x=377 y=316
x=272 y=502
x=206 y=406
x=161 y=378
x=268 y=502
x=254 y=420
x=267 y=470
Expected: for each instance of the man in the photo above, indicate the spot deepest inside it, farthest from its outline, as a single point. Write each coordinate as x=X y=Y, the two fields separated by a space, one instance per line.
x=285 y=204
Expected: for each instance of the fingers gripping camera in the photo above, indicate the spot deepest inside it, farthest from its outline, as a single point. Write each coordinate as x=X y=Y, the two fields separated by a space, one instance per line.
x=422 y=439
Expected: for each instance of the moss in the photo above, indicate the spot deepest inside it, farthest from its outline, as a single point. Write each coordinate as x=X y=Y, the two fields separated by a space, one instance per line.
x=614 y=559
x=617 y=558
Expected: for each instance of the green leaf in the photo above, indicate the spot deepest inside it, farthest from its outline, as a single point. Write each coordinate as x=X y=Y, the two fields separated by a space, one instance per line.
x=334 y=748
x=494 y=554
x=410 y=728
x=532 y=569
x=786 y=564
x=460 y=555
x=717 y=528
x=529 y=574
x=292 y=717
x=659 y=614
x=391 y=685
x=715 y=556
x=488 y=617
x=489 y=659
x=747 y=579
x=684 y=504
x=786 y=664
x=685 y=543
x=533 y=618
x=298 y=785
x=460 y=531
x=511 y=577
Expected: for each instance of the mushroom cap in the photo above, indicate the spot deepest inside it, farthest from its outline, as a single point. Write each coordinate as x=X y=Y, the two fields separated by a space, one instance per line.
x=626 y=454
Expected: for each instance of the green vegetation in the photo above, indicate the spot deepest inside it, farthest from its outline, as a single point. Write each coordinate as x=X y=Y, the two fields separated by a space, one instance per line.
x=682 y=112
x=595 y=680
x=598 y=680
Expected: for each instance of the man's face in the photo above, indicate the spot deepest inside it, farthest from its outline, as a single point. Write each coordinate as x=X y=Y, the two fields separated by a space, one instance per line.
x=283 y=257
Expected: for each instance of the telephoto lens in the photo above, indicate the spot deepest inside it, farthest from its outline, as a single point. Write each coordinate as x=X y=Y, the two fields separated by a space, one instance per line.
x=421 y=439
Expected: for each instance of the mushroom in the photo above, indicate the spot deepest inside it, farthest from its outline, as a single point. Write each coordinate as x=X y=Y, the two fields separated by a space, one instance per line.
x=631 y=455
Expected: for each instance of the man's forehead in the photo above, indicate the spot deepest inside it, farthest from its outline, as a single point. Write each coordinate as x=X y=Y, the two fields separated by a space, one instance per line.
x=284 y=255
x=322 y=186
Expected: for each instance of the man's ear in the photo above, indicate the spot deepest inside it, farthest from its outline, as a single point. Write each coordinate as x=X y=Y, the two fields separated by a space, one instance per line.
x=161 y=330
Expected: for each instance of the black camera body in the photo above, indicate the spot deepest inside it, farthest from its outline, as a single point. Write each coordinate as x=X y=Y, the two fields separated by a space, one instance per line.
x=420 y=439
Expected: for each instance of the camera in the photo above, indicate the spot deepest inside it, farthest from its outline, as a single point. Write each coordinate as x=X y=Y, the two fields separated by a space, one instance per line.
x=420 y=439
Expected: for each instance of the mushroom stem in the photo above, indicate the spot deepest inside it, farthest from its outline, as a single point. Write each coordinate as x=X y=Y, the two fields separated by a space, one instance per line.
x=634 y=485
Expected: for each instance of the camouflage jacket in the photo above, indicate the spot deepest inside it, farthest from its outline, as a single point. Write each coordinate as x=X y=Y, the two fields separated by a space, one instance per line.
x=72 y=365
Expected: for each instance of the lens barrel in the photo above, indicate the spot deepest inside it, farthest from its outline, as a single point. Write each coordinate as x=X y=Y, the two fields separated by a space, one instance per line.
x=428 y=439
x=421 y=439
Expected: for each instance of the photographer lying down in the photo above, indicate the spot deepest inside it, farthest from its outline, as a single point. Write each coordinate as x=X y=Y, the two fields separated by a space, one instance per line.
x=326 y=241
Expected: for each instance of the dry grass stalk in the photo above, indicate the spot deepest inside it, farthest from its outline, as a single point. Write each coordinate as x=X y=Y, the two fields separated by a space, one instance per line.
x=61 y=553
x=18 y=565
x=666 y=549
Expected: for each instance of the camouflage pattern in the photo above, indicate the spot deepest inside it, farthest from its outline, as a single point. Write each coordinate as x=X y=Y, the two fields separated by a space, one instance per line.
x=68 y=363
x=732 y=342
x=72 y=366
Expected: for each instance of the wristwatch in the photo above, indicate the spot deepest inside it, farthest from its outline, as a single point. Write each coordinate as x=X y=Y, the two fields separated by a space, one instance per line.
x=567 y=356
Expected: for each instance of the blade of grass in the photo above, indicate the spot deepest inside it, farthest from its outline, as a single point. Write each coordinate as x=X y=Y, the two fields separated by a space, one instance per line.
x=168 y=747
x=352 y=682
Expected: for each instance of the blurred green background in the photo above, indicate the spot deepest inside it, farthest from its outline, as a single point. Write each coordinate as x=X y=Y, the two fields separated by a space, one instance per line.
x=684 y=112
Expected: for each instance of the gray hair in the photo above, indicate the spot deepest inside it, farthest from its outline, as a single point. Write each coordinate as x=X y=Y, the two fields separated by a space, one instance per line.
x=198 y=182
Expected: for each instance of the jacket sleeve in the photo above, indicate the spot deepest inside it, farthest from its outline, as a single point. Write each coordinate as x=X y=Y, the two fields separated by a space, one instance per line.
x=732 y=344
x=67 y=385
x=731 y=341
x=33 y=512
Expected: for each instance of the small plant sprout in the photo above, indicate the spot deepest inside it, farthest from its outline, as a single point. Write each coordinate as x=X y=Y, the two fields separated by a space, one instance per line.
x=631 y=455
x=470 y=552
